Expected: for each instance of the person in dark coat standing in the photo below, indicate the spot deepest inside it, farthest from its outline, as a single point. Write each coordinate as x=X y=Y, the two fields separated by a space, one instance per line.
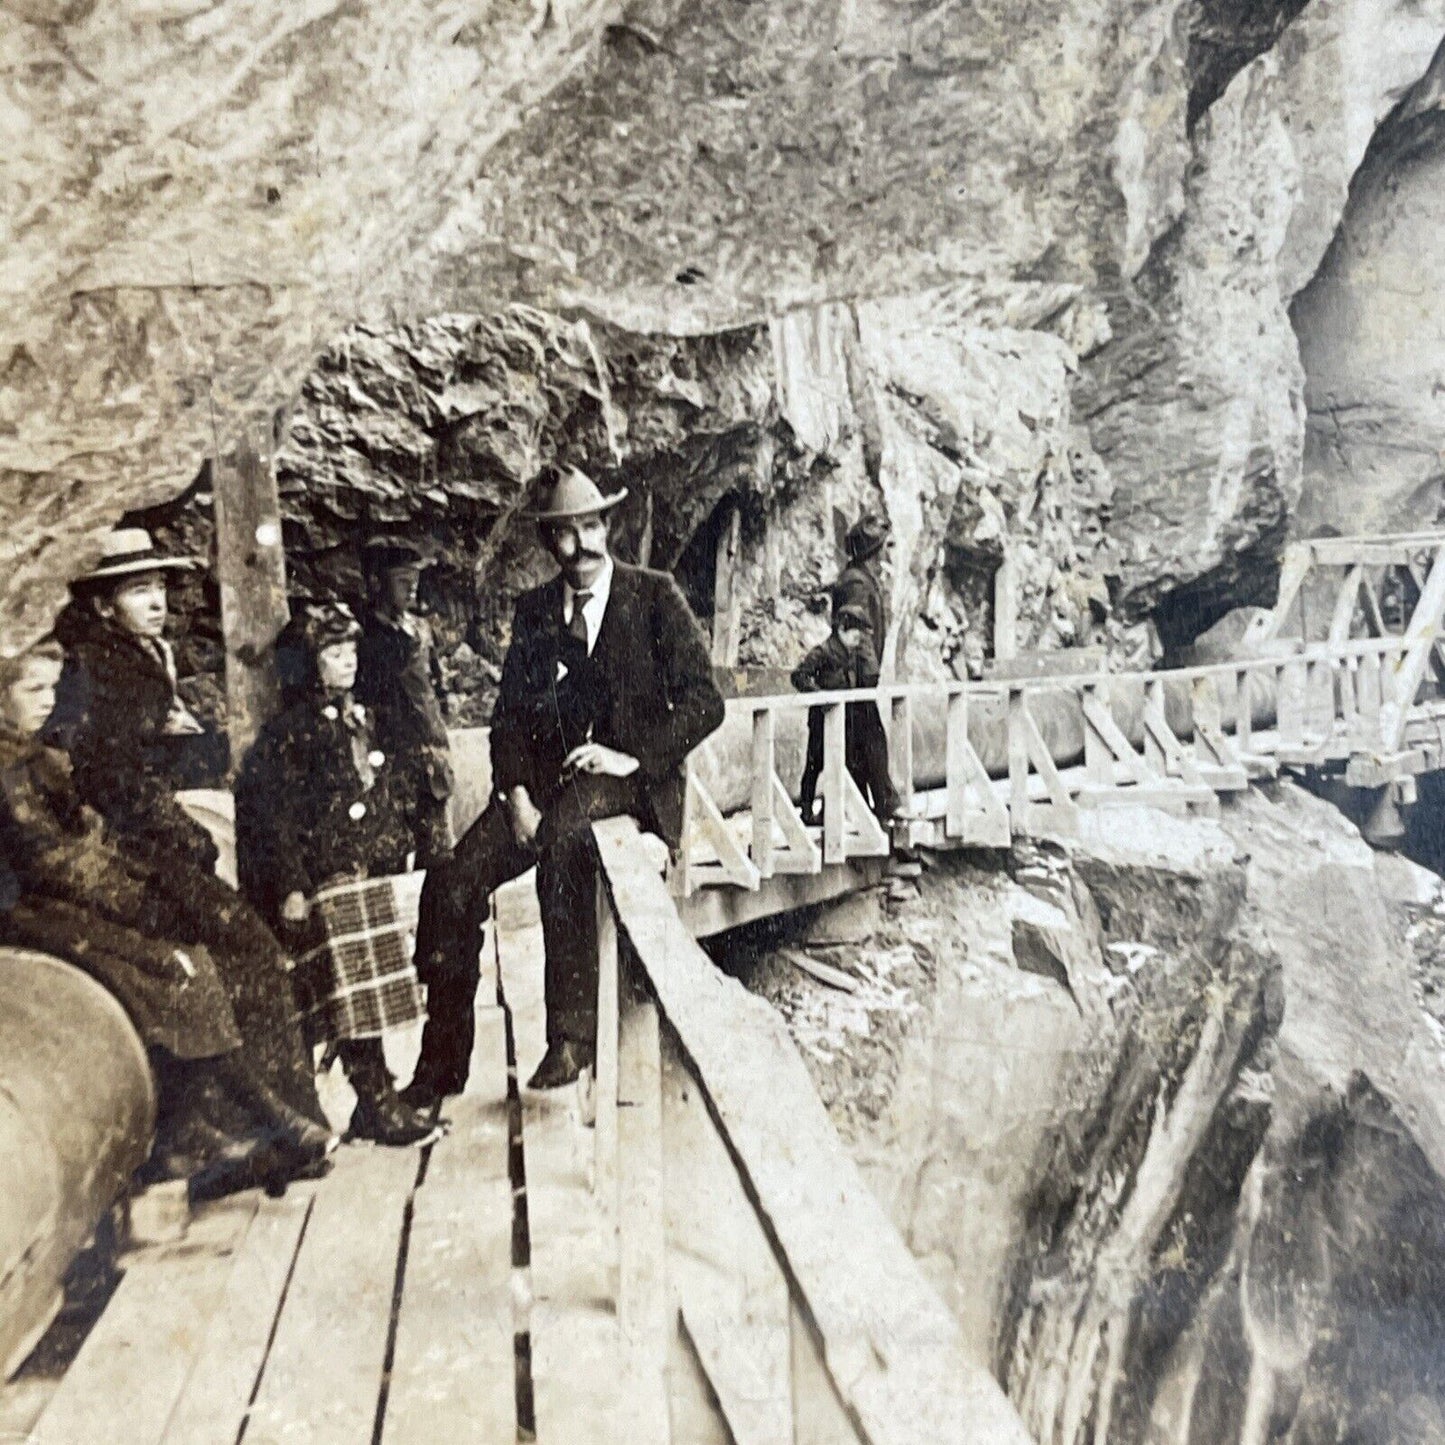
x=858 y=584
x=606 y=688
x=398 y=676
x=75 y=895
x=117 y=710
x=322 y=807
x=847 y=660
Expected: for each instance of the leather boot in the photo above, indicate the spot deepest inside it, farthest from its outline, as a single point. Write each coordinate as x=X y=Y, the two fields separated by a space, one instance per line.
x=306 y=1138
x=379 y=1115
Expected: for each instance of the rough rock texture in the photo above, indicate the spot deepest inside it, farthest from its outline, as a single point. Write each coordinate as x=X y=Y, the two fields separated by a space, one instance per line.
x=1196 y=404
x=1372 y=339
x=1150 y=1106
x=200 y=197
x=931 y=410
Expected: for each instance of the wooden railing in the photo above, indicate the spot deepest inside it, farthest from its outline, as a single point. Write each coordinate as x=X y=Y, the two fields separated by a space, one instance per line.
x=981 y=763
x=755 y=1268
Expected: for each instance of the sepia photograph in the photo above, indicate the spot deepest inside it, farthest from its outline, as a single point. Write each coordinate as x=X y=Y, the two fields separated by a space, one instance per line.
x=722 y=723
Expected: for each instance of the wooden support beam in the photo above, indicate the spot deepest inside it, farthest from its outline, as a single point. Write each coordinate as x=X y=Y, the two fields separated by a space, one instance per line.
x=1420 y=636
x=644 y=1320
x=1345 y=603
x=900 y=749
x=727 y=593
x=799 y=853
x=251 y=571
x=733 y=864
x=764 y=775
x=1298 y=559
x=973 y=812
x=835 y=774
x=604 y=1134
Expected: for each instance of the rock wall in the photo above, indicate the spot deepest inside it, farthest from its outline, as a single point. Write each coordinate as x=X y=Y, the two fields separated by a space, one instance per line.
x=202 y=198
x=1126 y=1097
x=1372 y=340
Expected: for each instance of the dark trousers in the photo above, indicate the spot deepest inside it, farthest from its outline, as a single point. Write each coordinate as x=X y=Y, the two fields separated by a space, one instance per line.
x=455 y=899
x=865 y=754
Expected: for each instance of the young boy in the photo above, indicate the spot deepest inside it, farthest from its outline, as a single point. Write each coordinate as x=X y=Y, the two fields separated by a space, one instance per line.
x=398 y=676
x=847 y=660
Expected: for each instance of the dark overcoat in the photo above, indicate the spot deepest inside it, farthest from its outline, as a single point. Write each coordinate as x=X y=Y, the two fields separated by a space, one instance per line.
x=318 y=799
x=830 y=666
x=112 y=703
x=858 y=584
x=647 y=690
x=78 y=897
x=399 y=678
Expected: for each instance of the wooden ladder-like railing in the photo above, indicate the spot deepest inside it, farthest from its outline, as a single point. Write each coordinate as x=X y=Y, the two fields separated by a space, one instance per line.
x=786 y=1298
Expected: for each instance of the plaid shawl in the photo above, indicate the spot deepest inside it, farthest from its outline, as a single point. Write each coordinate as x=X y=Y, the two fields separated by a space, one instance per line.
x=358 y=982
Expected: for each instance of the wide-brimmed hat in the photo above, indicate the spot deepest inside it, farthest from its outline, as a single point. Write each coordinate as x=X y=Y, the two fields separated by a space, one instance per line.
x=385 y=551
x=866 y=536
x=130 y=549
x=572 y=494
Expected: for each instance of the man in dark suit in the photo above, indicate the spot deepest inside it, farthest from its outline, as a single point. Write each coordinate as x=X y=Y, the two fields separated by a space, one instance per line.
x=606 y=688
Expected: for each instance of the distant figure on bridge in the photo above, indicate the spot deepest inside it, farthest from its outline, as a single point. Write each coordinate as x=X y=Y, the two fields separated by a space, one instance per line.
x=203 y=983
x=118 y=714
x=606 y=688
x=858 y=584
x=322 y=809
x=398 y=675
x=847 y=660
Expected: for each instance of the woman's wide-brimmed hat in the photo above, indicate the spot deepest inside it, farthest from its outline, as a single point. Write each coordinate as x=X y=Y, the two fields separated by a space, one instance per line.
x=572 y=494
x=127 y=550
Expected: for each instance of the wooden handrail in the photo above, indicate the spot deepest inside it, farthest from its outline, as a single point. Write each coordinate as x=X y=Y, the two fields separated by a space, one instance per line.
x=891 y=1353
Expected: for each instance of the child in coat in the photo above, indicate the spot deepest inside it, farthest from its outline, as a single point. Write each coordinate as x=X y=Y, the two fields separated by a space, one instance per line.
x=847 y=660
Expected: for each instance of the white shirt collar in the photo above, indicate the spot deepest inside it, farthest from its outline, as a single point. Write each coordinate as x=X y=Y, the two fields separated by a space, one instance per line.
x=595 y=606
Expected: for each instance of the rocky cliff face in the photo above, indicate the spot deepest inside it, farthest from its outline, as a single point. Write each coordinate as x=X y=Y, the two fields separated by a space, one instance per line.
x=1101 y=211
x=1163 y=1110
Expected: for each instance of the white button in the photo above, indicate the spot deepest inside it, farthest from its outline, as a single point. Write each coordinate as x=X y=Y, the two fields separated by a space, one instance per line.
x=357 y=811
x=330 y=712
x=376 y=757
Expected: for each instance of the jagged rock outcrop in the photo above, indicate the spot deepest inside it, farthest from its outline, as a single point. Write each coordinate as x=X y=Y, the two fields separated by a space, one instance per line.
x=1372 y=335
x=1127 y=1101
x=201 y=198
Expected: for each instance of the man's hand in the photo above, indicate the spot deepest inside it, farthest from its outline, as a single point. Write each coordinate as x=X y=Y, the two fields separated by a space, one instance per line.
x=594 y=758
x=525 y=816
x=294 y=908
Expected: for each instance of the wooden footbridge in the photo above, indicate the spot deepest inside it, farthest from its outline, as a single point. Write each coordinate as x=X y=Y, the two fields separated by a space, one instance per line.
x=680 y=1249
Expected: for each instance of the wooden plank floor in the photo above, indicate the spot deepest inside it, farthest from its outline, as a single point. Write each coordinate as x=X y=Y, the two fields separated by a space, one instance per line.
x=576 y=1358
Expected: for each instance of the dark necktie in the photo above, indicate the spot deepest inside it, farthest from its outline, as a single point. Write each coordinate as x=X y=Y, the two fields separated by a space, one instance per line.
x=578 y=625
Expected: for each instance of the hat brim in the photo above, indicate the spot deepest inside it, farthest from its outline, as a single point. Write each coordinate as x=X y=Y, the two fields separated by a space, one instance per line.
x=606 y=505
x=141 y=564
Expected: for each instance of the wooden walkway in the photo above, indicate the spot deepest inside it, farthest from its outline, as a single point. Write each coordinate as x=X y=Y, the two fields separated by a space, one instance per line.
x=680 y=1249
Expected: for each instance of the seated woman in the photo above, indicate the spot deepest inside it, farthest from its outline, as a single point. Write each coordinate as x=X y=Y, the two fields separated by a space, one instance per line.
x=319 y=809
x=118 y=715
x=72 y=893
x=131 y=739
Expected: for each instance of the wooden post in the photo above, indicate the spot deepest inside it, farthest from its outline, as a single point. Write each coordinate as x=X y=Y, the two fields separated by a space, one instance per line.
x=900 y=749
x=251 y=570
x=643 y=1318
x=605 y=1131
x=955 y=769
x=762 y=791
x=835 y=848
x=1005 y=610
x=1018 y=762
x=727 y=596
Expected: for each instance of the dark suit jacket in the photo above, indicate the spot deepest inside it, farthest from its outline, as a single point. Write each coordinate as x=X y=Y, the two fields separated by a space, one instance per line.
x=858 y=584
x=647 y=689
